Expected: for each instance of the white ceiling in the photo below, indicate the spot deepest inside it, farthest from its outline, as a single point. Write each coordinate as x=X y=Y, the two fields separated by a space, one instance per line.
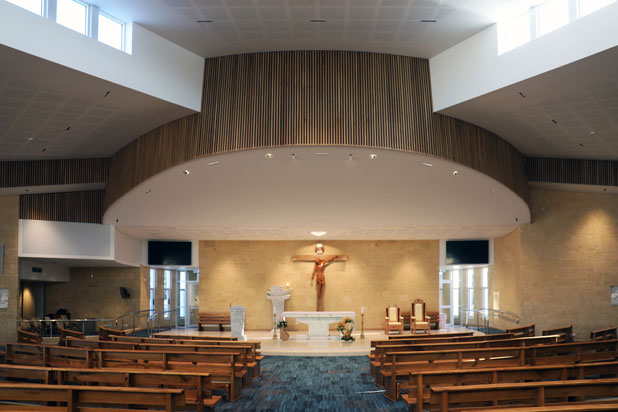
x=245 y=26
x=40 y=99
x=581 y=97
x=247 y=196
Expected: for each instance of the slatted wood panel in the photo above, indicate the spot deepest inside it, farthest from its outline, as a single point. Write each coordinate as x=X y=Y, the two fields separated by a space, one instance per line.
x=53 y=172
x=83 y=207
x=575 y=171
x=315 y=98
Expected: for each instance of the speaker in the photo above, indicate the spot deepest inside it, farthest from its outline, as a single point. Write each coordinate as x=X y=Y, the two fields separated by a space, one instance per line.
x=124 y=293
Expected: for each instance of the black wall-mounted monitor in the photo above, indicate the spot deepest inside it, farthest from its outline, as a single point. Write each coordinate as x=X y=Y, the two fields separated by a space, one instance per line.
x=467 y=252
x=163 y=253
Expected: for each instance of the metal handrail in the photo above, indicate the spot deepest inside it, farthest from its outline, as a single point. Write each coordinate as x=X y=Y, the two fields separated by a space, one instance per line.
x=48 y=323
x=157 y=317
x=151 y=313
x=483 y=314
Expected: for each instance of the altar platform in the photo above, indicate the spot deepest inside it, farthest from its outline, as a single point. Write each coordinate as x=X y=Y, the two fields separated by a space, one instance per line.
x=300 y=345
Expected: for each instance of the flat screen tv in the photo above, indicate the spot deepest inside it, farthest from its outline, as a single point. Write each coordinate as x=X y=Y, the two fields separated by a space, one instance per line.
x=162 y=253
x=467 y=252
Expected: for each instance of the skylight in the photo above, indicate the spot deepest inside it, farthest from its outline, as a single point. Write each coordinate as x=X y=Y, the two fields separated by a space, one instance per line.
x=552 y=15
x=72 y=14
x=110 y=31
x=35 y=6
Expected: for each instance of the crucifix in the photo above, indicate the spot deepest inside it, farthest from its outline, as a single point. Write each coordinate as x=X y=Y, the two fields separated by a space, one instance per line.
x=320 y=263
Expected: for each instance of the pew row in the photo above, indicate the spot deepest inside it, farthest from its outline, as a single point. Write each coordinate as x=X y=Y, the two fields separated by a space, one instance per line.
x=520 y=332
x=106 y=333
x=85 y=398
x=435 y=335
x=448 y=398
x=437 y=339
x=219 y=319
x=418 y=383
x=192 y=337
x=604 y=334
x=582 y=407
x=197 y=385
x=565 y=334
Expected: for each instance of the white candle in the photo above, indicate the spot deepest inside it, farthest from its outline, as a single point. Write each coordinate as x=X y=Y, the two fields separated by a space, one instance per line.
x=362 y=309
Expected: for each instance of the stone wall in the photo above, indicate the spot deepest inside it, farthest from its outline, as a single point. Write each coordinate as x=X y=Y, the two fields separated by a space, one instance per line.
x=504 y=279
x=376 y=275
x=9 y=230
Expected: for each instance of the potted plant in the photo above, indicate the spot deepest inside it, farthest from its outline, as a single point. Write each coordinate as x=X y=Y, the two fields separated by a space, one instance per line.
x=283 y=335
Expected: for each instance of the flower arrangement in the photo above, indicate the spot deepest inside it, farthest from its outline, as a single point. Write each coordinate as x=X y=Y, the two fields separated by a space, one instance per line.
x=282 y=324
x=346 y=326
x=283 y=334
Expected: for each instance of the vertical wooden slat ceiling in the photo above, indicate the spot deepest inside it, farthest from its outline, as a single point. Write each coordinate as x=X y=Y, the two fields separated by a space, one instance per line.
x=83 y=207
x=315 y=98
x=574 y=171
x=53 y=172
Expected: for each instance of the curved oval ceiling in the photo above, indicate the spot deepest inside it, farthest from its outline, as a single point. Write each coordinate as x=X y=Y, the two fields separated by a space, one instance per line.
x=406 y=27
x=248 y=195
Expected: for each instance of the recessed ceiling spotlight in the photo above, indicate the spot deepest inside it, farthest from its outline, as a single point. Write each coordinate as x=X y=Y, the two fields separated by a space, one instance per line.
x=516 y=219
x=43 y=150
x=186 y=171
x=604 y=189
x=581 y=145
x=492 y=191
x=148 y=191
x=30 y=139
x=27 y=190
x=427 y=164
x=107 y=93
x=522 y=95
x=268 y=155
x=373 y=156
x=317 y=20
x=592 y=132
x=429 y=21
x=321 y=154
x=213 y=163
x=67 y=129
x=293 y=156
x=554 y=122
x=318 y=233
x=455 y=172
x=204 y=21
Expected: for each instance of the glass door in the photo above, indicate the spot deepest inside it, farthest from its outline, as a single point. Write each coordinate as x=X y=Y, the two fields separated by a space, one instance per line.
x=188 y=299
x=446 y=291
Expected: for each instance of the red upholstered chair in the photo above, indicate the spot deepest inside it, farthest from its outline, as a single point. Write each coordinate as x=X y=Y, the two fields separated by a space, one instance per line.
x=418 y=317
x=393 y=320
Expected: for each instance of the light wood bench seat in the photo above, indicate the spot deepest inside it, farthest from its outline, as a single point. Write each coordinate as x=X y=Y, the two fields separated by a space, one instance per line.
x=565 y=334
x=586 y=407
x=435 y=335
x=28 y=337
x=521 y=331
x=418 y=383
x=604 y=334
x=84 y=398
x=197 y=385
x=447 y=398
x=219 y=319
x=193 y=337
x=397 y=339
x=106 y=333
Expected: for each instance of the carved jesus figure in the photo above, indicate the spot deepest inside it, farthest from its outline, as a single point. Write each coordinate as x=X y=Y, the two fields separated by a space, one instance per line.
x=318 y=275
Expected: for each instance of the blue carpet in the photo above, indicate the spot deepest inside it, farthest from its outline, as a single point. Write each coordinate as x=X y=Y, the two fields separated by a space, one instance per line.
x=313 y=384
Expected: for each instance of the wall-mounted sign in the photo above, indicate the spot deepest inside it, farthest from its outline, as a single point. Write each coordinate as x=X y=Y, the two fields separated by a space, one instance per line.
x=1 y=258
x=614 y=295
x=4 y=298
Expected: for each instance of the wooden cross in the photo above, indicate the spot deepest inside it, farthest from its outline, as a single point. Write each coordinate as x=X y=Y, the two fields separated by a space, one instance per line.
x=320 y=263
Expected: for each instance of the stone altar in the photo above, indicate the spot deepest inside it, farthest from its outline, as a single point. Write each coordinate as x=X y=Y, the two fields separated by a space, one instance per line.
x=318 y=321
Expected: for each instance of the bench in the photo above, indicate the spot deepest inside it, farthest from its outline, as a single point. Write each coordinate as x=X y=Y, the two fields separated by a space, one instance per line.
x=42 y=355
x=28 y=337
x=565 y=334
x=219 y=319
x=65 y=333
x=197 y=385
x=78 y=397
x=106 y=333
x=520 y=332
x=194 y=337
x=435 y=335
x=585 y=407
x=604 y=334
x=525 y=394
x=419 y=382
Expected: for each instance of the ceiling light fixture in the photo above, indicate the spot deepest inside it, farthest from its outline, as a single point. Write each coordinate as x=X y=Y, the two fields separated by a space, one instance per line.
x=429 y=21
x=148 y=191
x=321 y=154
x=44 y=150
x=455 y=172
x=204 y=21
x=318 y=233
x=492 y=191
x=554 y=122
x=317 y=20
x=604 y=189
x=30 y=139
x=581 y=145
x=186 y=171
x=522 y=95
x=293 y=156
x=67 y=129
x=350 y=156
x=268 y=155
x=373 y=156
x=427 y=164
x=213 y=163
x=107 y=93
x=592 y=132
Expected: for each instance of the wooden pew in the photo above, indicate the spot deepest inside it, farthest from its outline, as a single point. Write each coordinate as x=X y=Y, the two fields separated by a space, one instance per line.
x=28 y=337
x=197 y=385
x=42 y=355
x=65 y=333
x=520 y=332
x=604 y=334
x=99 y=344
x=225 y=369
x=400 y=364
x=212 y=318
x=582 y=407
x=106 y=333
x=436 y=338
x=525 y=394
x=437 y=335
x=193 y=337
x=78 y=397
x=419 y=382
x=565 y=334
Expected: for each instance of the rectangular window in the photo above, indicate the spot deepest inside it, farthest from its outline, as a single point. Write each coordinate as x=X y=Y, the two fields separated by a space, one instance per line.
x=153 y=285
x=72 y=14
x=552 y=15
x=455 y=294
x=590 y=6
x=514 y=33
x=110 y=31
x=35 y=6
x=471 y=300
x=470 y=286
x=182 y=294
x=167 y=279
x=485 y=286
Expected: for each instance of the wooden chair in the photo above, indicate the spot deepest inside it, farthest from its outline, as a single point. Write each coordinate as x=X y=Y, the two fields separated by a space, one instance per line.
x=418 y=317
x=393 y=320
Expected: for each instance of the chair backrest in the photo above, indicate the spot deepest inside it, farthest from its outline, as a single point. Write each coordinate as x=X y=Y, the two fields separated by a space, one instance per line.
x=393 y=314
x=418 y=310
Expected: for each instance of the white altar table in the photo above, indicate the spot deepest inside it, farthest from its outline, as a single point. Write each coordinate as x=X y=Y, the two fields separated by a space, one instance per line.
x=318 y=321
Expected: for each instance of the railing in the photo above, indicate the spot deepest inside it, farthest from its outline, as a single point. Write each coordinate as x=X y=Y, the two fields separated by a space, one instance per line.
x=483 y=317
x=146 y=314
x=49 y=327
x=156 y=320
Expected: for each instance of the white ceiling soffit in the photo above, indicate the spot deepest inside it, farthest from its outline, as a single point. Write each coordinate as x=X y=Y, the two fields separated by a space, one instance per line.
x=244 y=26
x=569 y=112
x=33 y=190
x=39 y=100
x=248 y=196
x=74 y=263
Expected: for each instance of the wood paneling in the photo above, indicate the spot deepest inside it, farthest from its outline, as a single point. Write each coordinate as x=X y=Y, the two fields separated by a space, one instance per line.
x=575 y=171
x=83 y=207
x=53 y=172
x=315 y=98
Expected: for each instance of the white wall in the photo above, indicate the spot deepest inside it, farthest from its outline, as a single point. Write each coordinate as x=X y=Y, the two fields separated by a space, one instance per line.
x=473 y=67
x=156 y=66
x=127 y=249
